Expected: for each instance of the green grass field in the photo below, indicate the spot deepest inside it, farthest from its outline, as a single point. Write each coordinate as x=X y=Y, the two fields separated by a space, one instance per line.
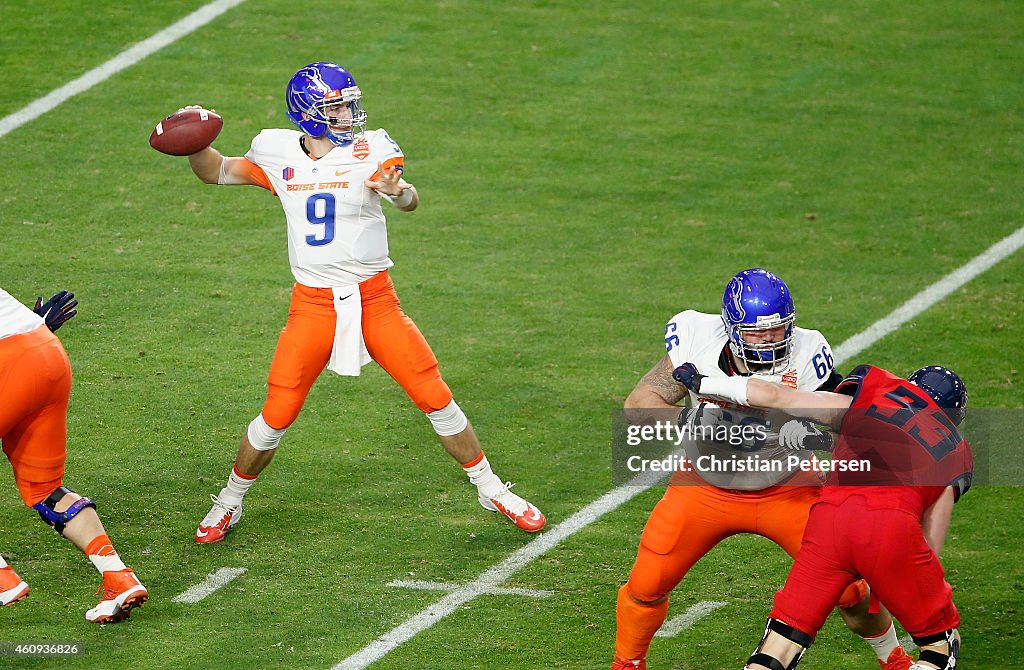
x=587 y=170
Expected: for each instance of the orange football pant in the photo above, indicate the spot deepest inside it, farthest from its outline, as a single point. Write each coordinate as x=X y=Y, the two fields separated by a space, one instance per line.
x=391 y=337
x=35 y=385
x=684 y=526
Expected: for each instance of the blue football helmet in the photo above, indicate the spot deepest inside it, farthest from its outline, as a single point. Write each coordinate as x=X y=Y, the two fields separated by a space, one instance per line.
x=946 y=389
x=318 y=86
x=756 y=300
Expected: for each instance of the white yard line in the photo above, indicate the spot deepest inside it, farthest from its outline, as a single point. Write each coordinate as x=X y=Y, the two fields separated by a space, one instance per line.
x=420 y=585
x=691 y=616
x=125 y=59
x=497 y=574
x=214 y=581
x=930 y=296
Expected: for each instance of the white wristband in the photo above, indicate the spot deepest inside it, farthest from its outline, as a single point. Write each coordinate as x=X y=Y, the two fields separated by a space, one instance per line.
x=403 y=200
x=730 y=388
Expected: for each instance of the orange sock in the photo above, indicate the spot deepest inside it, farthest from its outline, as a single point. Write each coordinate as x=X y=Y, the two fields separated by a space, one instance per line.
x=636 y=625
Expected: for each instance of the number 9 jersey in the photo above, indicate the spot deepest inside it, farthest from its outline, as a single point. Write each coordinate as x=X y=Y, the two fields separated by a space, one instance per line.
x=337 y=234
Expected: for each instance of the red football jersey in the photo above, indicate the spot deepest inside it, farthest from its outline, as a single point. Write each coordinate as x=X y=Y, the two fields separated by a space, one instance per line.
x=909 y=448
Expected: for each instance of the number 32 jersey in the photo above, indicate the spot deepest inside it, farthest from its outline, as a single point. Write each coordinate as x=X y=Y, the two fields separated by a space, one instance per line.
x=337 y=234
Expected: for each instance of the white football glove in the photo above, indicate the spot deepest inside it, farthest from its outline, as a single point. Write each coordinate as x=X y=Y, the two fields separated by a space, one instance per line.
x=797 y=434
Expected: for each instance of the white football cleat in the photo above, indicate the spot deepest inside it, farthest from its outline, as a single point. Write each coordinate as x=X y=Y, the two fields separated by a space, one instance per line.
x=218 y=521
x=519 y=510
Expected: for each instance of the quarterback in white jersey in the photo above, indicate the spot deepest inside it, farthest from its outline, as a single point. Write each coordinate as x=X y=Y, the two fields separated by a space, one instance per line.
x=330 y=176
x=337 y=234
x=755 y=334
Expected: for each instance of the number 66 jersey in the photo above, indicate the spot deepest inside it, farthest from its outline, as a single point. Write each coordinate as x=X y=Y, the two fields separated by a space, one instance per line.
x=701 y=339
x=337 y=233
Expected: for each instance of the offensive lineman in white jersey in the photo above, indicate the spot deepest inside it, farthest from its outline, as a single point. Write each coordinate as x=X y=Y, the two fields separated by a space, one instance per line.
x=331 y=176
x=754 y=335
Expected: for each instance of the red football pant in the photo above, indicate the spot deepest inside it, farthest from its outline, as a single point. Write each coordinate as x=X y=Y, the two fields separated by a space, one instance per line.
x=391 y=337
x=886 y=547
x=35 y=385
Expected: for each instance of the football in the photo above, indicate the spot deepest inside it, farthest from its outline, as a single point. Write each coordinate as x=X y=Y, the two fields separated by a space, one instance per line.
x=187 y=131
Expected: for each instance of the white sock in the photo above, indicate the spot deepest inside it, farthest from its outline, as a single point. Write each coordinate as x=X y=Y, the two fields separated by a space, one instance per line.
x=238 y=485
x=884 y=644
x=479 y=472
x=3 y=563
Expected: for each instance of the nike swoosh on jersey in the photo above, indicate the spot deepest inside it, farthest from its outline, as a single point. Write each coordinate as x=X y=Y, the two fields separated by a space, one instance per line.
x=346 y=297
x=338 y=173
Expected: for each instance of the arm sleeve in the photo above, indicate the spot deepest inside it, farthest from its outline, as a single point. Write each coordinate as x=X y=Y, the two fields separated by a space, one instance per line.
x=831 y=383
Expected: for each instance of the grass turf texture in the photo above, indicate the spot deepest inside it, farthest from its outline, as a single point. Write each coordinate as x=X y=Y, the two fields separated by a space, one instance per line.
x=586 y=172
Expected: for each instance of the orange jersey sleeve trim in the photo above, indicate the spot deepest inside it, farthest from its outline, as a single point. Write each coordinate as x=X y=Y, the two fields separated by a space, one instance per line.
x=398 y=162
x=255 y=175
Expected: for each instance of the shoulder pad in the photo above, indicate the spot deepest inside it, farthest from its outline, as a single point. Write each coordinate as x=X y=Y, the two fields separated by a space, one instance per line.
x=852 y=381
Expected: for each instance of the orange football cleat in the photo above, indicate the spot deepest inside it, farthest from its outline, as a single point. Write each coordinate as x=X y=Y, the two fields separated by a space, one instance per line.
x=218 y=521
x=520 y=511
x=122 y=592
x=12 y=589
x=899 y=659
x=626 y=664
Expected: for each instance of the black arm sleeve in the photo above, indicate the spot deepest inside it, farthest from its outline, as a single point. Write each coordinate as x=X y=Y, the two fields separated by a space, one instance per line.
x=831 y=383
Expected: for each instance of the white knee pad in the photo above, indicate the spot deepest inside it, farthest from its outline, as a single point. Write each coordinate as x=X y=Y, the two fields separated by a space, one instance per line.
x=448 y=421
x=261 y=436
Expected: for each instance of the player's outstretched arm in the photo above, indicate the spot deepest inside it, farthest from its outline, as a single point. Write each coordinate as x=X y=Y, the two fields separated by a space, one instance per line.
x=826 y=408
x=820 y=406
x=206 y=164
x=214 y=168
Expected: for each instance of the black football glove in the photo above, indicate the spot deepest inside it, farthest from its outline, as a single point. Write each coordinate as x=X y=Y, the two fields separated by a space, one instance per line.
x=687 y=375
x=57 y=310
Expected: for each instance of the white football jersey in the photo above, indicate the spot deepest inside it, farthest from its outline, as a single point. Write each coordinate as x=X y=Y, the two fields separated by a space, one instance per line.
x=700 y=338
x=15 y=318
x=337 y=234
